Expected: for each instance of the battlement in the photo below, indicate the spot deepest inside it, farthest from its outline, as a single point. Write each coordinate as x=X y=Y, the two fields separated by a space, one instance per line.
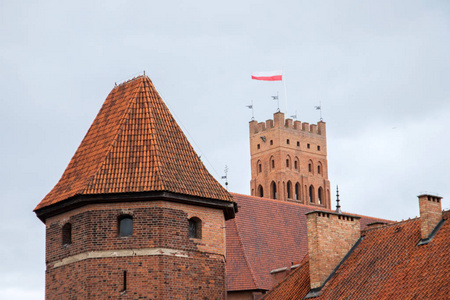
x=279 y=122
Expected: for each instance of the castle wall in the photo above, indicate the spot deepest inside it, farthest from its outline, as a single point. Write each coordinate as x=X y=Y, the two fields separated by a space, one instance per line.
x=160 y=259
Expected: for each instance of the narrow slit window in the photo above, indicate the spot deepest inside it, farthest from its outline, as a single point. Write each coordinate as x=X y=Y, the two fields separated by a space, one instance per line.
x=124 y=283
x=287 y=141
x=67 y=234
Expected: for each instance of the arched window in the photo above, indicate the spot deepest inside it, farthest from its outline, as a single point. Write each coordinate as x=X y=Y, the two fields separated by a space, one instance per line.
x=272 y=162
x=310 y=167
x=67 y=234
x=260 y=191
x=311 y=194
x=195 y=228
x=125 y=225
x=259 y=166
x=319 y=168
x=296 y=164
x=289 y=190
x=297 y=191
x=288 y=162
x=273 y=187
x=320 y=195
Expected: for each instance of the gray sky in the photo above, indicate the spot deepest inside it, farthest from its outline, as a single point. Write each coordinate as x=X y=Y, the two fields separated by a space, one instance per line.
x=379 y=68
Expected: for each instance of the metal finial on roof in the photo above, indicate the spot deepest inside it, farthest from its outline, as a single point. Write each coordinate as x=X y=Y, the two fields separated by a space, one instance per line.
x=338 y=207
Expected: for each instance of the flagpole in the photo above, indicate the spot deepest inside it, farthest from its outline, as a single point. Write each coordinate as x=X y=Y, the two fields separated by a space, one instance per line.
x=285 y=94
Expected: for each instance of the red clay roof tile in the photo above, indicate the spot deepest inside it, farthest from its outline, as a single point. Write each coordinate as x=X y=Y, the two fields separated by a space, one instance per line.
x=135 y=145
x=387 y=264
x=272 y=234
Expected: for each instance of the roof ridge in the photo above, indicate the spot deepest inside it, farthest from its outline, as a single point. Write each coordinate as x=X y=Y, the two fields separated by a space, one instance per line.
x=245 y=254
x=398 y=223
x=151 y=119
x=308 y=206
x=111 y=145
x=302 y=264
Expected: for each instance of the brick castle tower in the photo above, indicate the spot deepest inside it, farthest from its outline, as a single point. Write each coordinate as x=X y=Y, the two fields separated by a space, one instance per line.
x=135 y=215
x=289 y=161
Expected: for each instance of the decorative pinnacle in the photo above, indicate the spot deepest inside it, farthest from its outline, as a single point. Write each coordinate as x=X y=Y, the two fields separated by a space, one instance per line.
x=338 y=207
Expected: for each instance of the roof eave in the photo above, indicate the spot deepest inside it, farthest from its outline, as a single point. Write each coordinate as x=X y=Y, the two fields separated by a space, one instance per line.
x=229 y=207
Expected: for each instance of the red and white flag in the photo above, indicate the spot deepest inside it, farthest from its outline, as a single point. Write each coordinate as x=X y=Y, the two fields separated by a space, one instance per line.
x=268 y=76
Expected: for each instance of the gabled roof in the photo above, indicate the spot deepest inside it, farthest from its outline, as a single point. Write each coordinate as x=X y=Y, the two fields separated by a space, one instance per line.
x=135 y=145
x=388 y=263
x=266 y=234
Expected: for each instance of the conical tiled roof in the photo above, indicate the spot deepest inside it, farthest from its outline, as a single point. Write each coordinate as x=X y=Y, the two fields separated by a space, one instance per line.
x=135 y=145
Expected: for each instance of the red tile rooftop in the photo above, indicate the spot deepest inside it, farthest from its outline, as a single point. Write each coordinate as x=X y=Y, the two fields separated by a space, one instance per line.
x=134 y=145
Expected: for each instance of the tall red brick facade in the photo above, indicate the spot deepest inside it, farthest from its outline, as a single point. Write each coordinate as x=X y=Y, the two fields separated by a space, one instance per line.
x=135 y=215
x=289 y=161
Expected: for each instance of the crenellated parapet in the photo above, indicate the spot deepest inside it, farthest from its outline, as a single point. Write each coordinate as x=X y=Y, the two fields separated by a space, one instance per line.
x=279 y=121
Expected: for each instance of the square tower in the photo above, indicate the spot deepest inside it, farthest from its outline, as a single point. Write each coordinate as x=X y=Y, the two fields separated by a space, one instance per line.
x=289 y=161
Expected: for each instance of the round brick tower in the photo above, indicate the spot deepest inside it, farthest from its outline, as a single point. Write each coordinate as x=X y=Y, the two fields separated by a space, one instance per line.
x=135 y=215
x=289 y=161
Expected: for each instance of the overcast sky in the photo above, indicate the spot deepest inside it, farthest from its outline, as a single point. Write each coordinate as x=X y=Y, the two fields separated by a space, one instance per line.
x=380 y=69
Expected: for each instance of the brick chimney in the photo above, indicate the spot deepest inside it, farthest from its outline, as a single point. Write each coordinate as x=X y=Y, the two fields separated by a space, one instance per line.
x=430 y=213
x=330 y=237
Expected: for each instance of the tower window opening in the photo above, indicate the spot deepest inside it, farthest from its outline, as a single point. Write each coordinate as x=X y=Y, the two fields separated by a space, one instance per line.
x=125 y=225
x=273 y=186
x=259 y=168
x=295 y=164
x=298 y=144
x=260 y=191
x=258 y=146
x=67 y=234
x=287 y=162
x=195 y=228
x=297 y=191
x=311 y=194
x=271 y=142
x=287 y=141
x=310 y=167
x=308 y=146
x=320 y=195
x=318 y=148
x=288 y=190
x=273 y=163
x=318 y=169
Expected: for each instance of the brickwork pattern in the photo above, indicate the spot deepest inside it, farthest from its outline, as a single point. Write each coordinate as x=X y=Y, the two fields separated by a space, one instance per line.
x=283 y=151
x=330 y=237
x=155 y=224
x=430 y=213
x=155 y=277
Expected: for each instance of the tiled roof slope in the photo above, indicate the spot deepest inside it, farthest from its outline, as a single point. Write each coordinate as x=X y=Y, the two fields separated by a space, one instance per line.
x=135 y=145
x=297 y=283
x=272 y=234
x=388 y=264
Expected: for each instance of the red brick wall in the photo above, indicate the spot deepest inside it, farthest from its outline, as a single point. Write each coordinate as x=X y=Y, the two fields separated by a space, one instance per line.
x=330 y=237
x=280 y=150
x=198 y=273
x=430 y=213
